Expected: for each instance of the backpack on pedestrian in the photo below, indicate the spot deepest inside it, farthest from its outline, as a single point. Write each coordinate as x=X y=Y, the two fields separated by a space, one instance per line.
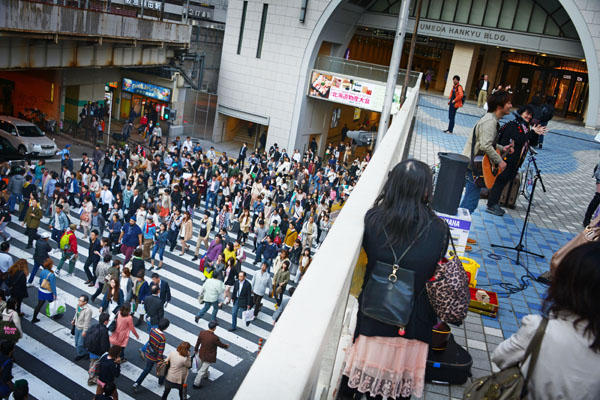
x=65 y=241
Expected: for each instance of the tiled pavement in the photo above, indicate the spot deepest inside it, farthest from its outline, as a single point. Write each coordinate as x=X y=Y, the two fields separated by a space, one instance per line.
x=566 y=163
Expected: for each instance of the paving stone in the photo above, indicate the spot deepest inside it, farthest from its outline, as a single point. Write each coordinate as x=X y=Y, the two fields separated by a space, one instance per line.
x=568 y=156
x=439 y=389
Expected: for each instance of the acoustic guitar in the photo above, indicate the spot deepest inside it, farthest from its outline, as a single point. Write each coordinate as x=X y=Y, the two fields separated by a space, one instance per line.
x=489 y=171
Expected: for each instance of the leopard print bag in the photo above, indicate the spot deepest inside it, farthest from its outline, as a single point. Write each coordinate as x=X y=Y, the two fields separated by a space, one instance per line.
x=448 y=290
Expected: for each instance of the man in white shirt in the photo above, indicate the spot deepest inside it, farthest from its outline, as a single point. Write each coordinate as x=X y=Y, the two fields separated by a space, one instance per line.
x=6 y=261
x=188 y=144
x=211 y=154
x=483 y=87
x=106 y=199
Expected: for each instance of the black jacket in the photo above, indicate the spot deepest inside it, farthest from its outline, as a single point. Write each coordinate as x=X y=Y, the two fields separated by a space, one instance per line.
x=108 y=369
x=96 y=246
x=42 y=248
x=245 y=298
x=96 y=339
x=154 y=307
x=422 y=258
x=165 y=291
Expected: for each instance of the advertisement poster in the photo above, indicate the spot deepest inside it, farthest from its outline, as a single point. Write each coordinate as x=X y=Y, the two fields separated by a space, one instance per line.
x=356 y=93
x=147 y=89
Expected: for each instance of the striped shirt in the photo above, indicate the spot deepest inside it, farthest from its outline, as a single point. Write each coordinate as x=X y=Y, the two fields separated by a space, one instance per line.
x=156 y=345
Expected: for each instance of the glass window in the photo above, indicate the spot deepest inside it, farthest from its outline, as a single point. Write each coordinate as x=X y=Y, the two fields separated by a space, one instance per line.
x=449 y=10
x=30 y=131
x=523 y=15
x=508 y=14
x=242 y=23
x=538 y=20
x=379 y=6
x=570 y=31
x=261 y=35
x=551 y=28
x=395 y=8
x=435 y=9
x=462 y=11
x=477 y=12
x=491 y=13
x=561 y=16
x=424 y=8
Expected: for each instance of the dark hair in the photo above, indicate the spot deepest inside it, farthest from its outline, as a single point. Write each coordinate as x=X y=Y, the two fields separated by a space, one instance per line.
x=163 y=324
x=155 y=275
x=107 y=258
x=456 y=77
x=574 y=289
x=114 y=351
x=85 y=297
x=497 y=99
x=212 y=325
x=4 y=246
x=125 y=309
x=103 y=317
x=526 y=108
x=11 y=304
x=155 y=289
x=21 y=392
x=138 y=252
x=403 y=204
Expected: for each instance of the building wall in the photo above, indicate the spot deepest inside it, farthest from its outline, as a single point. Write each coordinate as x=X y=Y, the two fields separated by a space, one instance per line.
x=33 y=89
x=274 y=86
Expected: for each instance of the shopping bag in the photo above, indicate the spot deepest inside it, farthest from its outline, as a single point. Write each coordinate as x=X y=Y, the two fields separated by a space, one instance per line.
x=202 y=262
x=248 y=315
x=195 y=364
x=56 y=307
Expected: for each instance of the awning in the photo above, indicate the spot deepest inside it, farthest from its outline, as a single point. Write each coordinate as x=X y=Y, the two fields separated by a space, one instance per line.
x=246 y=116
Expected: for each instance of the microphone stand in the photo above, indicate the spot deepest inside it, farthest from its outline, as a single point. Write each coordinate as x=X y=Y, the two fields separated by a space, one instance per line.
x=519 y=248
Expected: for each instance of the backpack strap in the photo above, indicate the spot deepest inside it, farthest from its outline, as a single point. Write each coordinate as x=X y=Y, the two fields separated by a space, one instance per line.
x=396 y=259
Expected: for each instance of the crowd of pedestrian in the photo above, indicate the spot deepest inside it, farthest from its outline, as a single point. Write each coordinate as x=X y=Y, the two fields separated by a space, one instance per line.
x=144 y=201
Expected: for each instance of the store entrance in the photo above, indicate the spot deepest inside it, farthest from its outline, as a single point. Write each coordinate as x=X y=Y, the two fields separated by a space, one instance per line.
x=566 y=81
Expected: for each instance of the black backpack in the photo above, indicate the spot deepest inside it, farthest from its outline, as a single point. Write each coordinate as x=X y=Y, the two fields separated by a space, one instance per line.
x=91 y=337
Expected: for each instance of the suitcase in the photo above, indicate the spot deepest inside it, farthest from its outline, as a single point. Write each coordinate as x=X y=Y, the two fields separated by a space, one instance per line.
x=510 y=193
x=451 y=366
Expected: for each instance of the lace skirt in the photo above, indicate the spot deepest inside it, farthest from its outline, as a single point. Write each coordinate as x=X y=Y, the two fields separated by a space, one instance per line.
x=386 y=366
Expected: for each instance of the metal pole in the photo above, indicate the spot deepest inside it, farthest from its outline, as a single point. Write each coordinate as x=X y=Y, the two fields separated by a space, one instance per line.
x=413 y=43
x=390 y=87
x=110 y=98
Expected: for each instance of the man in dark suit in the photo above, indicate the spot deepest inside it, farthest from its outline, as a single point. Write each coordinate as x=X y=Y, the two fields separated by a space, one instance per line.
x=242 y=155
x=136 y=202
x=164 y=289
x=154 y=308
x=115 y=184
x=242 y=298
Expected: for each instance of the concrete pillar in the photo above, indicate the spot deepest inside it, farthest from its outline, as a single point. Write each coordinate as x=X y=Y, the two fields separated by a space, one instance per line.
x=461 y=64
x=491 y=62
x=440 y=81
x=471 y=79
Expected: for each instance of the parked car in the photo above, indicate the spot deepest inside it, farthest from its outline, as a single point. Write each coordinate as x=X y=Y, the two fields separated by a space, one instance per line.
x=26 y=137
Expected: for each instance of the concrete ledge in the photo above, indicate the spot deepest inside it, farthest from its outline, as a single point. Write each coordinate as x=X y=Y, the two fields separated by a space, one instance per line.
x=24 y=16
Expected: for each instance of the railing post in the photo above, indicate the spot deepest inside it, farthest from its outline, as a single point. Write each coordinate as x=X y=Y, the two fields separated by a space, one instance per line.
x=390 y=87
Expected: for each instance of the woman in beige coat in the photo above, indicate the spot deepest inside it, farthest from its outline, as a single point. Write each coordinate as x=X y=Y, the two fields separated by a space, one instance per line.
x=179 y=362
x=186 y=232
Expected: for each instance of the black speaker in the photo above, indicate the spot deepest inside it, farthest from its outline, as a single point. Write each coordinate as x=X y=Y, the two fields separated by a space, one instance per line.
x=450 y=182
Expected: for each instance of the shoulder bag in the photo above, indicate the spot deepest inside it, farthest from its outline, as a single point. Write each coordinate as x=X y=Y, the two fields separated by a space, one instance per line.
x=162 y=367
x=476 y=163
x=591 y=233
x=509 y=383
x=9 y=330
x=448 y=290
x=388 y=296
x=46 y=284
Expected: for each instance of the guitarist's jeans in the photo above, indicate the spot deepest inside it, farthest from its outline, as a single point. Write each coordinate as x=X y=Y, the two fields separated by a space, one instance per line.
x=471 y=197
x=496 y=191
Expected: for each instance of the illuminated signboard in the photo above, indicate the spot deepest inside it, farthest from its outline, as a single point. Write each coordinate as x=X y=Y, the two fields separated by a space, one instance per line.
x=367 y=95
x=147 y=89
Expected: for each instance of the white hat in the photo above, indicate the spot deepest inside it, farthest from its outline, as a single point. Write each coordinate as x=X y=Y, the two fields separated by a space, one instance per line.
x=45 y=235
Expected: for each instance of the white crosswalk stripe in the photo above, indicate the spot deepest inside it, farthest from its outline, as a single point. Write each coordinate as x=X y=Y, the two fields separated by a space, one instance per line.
x=55 y=347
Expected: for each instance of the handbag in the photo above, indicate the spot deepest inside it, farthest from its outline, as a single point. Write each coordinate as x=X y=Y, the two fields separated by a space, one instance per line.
x=448 y=290
x=202 y=262
x=509 y=383
x=591 y=233
x=9 y=330
x=162 y=367
x=388 y=296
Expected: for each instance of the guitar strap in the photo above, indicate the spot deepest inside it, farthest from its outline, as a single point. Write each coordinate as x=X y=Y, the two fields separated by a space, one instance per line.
x=472 y=161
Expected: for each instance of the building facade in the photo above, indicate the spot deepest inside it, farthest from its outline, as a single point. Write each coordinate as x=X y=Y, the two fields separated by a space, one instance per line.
x=272 y=48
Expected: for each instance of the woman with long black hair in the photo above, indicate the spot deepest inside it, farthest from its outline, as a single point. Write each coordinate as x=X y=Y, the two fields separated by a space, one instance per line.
x=385 y=360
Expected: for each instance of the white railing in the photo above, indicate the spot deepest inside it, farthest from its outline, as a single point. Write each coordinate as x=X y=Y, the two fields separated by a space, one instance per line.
x=302 y=357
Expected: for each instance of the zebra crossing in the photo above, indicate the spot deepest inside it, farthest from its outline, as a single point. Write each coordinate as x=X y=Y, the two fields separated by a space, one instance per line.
x=45 y=354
